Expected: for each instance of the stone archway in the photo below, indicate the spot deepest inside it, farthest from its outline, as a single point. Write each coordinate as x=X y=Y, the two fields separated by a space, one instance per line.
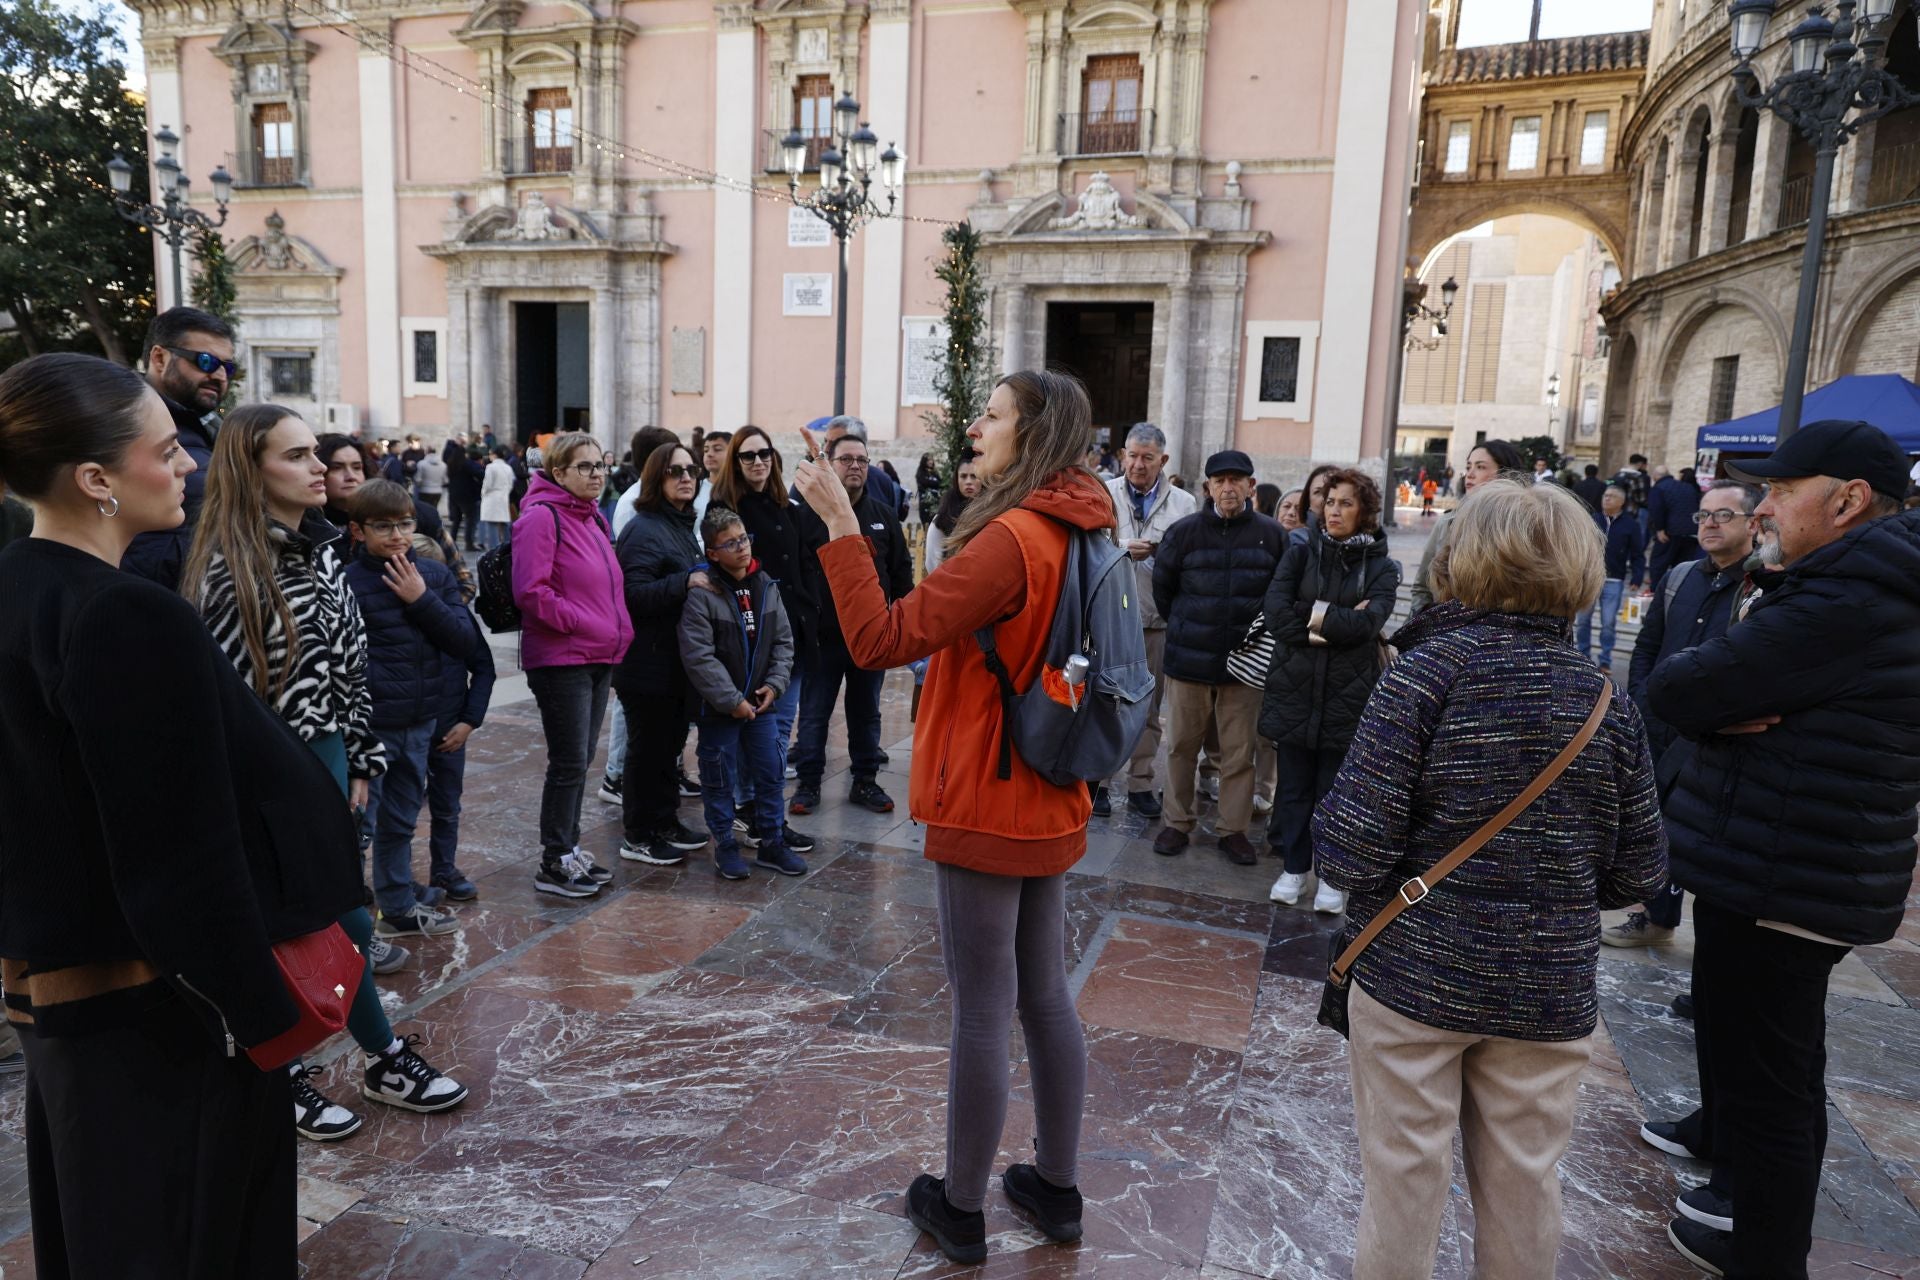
x=1433 y=227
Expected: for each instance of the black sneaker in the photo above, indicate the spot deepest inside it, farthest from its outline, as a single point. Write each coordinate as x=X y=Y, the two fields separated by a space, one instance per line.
x=805 y=800
x=1144 y=803
x=459 y=886
x=798 y=841
x=1102 y=803
x=405 y=1079
x=591 y=869
x=689 y=789
x=867 y=794
x=679 y=836
x=1675 y=1137
x=1055 y=1210
x=961 y=1236
x=743 y=828
x=566 y=878
x=1705 y=1248
x=316 y=1116
x=654 y=853
x=730 y=864
x=785 y=861
x=610 y=789
x=1683 y=1006
x=419 y=921
x=1707 y=1207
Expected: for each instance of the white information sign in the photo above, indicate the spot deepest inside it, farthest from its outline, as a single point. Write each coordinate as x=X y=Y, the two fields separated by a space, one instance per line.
x=806 y=229
x=808 y=294
x=923 y=343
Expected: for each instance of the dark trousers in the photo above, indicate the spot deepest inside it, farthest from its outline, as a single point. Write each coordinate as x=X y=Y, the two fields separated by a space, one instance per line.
x=1675 y=550
x=1663 y=908
x=394 y=800
x=464 y=513
x=1305 y=775
x=446 y=780
x=572 y=700
x=151 y=1155
x=819 y=691
x=656 y=736
x=1760 y=1034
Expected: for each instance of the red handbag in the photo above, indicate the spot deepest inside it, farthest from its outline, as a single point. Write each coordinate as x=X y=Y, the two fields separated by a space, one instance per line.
x=322 y=971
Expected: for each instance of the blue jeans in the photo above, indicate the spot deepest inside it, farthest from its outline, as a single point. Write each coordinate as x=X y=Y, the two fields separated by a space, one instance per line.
x=785 y=712
x=819 y=692
x=617 y=740
x=446 y=779
x=749 y=750
x=1609 y=609
x=393 y=809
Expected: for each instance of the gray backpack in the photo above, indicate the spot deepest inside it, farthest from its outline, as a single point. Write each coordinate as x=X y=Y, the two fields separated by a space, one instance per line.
x=1097 y=644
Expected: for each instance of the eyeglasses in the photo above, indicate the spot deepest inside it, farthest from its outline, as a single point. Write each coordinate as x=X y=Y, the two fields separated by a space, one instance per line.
x=387 y=528
x=742 y=543
x=590 y=468
x=1722 y=516
x=849 y=460
x=680 y=471
x=206 y=362
x=755 y=455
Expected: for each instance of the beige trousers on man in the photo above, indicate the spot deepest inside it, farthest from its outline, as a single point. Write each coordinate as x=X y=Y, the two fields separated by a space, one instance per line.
x=1140 y=768
x=1234 y=709
x=1512 y=1101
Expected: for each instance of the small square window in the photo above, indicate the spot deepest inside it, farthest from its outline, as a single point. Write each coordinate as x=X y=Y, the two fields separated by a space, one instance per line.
x=426 y=355
x=1280 y=370
x=1593 y=139
x=1523 y=148
x=1459 y=144
x=291 y=374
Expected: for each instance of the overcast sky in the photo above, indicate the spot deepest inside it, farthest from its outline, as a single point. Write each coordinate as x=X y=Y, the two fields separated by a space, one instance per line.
x=1498 y=21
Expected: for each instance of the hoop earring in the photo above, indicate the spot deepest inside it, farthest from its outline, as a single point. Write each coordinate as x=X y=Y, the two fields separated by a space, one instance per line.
x=102 y=507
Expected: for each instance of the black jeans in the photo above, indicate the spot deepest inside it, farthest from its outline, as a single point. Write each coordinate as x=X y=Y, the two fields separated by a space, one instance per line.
x=573 y=701
x=1663 y=908
x=464 y=513
x=1760 y=1033
x=819 y=690
x=152 y=1154
x=656 y=737
x=1305 y=776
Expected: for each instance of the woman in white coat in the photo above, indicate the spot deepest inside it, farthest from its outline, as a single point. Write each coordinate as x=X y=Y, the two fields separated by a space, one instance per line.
x=496 y=505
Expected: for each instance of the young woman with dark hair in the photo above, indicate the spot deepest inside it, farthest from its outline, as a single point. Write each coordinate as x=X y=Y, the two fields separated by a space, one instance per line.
x=1488 y=460
x=966 y=487
x=1001 y=847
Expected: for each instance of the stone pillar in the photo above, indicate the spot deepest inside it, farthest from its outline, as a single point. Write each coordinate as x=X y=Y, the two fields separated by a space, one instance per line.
x=1050 y=86
x=604 y=322
x=482 y=357
x=1769 y=161
x=380 y=236
x=1013 y=341
x=734 y=63
x=1173 y=374
x=883 y=252
x=1163 y=132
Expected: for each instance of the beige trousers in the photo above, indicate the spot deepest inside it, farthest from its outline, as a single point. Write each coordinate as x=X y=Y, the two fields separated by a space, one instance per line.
x=1140 y=768
x=1234 y=709
x=1512 y=1101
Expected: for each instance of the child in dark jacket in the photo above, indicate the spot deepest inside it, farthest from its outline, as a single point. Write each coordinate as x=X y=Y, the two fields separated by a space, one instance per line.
x=464 y=703
x=737 y=647
x=419 y=636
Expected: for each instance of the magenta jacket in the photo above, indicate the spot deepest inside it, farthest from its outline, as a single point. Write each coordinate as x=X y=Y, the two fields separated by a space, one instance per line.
x=572 y=602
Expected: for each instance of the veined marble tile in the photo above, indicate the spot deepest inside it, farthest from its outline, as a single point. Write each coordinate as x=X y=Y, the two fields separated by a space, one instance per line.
x=823 y=939
x=1178 y=983
x=1833 y=1260
x=484 y=933
x=1899 y=969
x=376 y=1242
x=1890 y=1129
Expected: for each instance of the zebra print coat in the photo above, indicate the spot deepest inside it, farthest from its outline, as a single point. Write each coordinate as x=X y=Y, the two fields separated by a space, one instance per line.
x=327 y=688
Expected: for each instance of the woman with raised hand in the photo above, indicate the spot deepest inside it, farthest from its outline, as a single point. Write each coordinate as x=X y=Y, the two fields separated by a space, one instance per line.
x=1001 y=847
x=265 y=575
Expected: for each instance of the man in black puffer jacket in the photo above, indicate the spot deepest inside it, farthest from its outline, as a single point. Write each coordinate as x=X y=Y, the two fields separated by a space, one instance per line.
x=1209 y=578
x=1793 y=824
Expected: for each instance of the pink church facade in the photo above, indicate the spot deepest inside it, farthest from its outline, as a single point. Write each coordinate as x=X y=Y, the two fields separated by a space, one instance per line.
x=534 y=216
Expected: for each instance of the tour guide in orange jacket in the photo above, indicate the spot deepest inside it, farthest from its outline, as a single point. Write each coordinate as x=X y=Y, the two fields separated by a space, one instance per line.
x=1000 y=848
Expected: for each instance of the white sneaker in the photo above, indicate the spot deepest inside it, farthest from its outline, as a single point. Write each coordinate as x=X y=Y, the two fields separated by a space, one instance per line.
x=1261 y=808
x=1287 y=888
x=1329 y=899
x=793 y=774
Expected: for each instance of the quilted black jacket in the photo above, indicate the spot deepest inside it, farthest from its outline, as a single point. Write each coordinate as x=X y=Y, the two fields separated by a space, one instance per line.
x=1316 y=692
x=1209 y=577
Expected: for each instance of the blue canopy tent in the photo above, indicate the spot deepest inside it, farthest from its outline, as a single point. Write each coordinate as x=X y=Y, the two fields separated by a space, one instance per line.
x=1887 y=400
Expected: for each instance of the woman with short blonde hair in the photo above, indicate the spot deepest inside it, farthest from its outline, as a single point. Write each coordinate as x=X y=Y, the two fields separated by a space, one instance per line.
x=1474 y=1009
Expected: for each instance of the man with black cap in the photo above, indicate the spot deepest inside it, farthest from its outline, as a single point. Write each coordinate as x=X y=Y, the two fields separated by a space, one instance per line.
x=1210 y=579
x=1793 y=824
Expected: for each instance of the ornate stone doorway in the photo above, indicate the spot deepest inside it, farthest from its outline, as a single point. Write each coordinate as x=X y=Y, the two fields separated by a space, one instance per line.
x=1109 y=346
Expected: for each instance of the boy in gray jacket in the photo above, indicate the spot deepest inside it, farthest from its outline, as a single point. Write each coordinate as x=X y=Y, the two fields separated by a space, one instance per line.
x=737 y=647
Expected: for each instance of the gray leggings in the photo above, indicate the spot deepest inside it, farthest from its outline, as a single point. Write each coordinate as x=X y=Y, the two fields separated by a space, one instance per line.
x=1004 y=939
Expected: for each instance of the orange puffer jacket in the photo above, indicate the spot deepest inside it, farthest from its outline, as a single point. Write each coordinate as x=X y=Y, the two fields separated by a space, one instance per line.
x=1008 y=575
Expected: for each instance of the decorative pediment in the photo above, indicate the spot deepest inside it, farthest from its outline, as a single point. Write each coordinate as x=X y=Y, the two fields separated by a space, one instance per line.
x=1113 y=15
x=535 y=57
x=534 y=222
x=494 y=15
x=1097 y=211
x=278 y=252
x=252 y=38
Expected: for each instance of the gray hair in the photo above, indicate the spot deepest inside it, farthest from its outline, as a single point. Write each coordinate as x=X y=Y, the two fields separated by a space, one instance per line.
x=1749 y=496
x=850 y=424
x=1147 y=433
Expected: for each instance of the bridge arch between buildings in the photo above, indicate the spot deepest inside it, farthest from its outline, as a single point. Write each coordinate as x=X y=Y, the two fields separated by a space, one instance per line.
x=1437 y=223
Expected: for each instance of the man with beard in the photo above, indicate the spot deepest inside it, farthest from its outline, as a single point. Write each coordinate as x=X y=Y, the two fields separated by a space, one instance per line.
x=190 y=363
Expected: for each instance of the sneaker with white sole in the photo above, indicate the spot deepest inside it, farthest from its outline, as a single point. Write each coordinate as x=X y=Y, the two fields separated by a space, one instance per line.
x=1637 y=930
x=689 y=788
x=418 y=920
x=594 y=871
x=316 y=1116
x=679 y=835
x=1288 y=887
x=1706 y=1206
x=386 y=957
x=1704 y=1247
x=792 y=774
x=1329 y=900
x=565 y=877
x=743 y=831
x=611 y=790
x=405 y=1079
x=655 y=853
x=1675 y=1137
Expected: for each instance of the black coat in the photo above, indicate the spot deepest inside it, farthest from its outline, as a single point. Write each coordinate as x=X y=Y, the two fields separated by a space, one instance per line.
x=1670 y=507
x=1810 y=823
x=1702 y=607
x=1210 y=576
x=159 y=555
x=774 y=523
x=657 y=550
x=891 y=558
x=413 y=650
x=1316 y=692
x=1591 y=490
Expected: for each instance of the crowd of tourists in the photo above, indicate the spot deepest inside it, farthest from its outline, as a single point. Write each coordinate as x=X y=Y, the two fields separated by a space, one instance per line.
x=293 y=617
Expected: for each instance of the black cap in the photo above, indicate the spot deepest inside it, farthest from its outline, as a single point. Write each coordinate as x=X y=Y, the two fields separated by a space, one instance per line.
x=1229 y=462
x=1843 y=450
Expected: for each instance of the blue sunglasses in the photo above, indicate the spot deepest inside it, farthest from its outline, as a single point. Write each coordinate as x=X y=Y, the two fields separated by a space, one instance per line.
x=206 y=362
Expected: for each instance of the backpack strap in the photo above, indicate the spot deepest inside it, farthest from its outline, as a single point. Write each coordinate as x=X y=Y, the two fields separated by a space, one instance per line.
x=984 y=638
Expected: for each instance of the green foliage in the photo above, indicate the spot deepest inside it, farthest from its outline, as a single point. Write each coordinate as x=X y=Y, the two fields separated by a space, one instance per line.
x=1533 y=448
x=212 y=289
x=965 y=378
x=73 y=273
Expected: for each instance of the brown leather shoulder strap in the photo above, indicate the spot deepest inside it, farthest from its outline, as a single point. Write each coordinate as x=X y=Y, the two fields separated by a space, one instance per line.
x=1440 y=870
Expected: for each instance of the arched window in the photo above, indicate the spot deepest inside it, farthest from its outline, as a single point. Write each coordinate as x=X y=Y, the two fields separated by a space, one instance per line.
x=1895 y=178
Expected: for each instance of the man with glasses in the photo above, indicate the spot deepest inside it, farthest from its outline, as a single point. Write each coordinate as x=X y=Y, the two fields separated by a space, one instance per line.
x=190 y=363
x=1692 y=604
x=847 y=454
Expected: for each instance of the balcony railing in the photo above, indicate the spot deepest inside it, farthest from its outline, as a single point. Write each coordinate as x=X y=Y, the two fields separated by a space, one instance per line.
x=1796 y=201
x=1112 y=133
x=272 y=170
x=521 y=156
x=777 y=157
x=1896 y=174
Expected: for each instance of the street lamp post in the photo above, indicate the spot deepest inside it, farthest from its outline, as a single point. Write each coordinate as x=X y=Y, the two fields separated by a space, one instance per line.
x=1417 y=309
x=1836 y=84
x=1553 y=410
x=173 y=219
x=845 y=201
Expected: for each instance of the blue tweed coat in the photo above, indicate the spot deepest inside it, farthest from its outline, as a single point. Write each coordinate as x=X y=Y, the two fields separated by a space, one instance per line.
x=1476 y=706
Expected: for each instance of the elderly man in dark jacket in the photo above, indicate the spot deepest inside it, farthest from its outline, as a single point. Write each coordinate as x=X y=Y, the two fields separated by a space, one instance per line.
x=1209 y=579
x=1793 y=824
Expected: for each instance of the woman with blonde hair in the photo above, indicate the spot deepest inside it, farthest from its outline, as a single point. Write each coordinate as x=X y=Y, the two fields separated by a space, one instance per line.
x=1474 y=1009
x=264 y=574
x=1001 y=845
